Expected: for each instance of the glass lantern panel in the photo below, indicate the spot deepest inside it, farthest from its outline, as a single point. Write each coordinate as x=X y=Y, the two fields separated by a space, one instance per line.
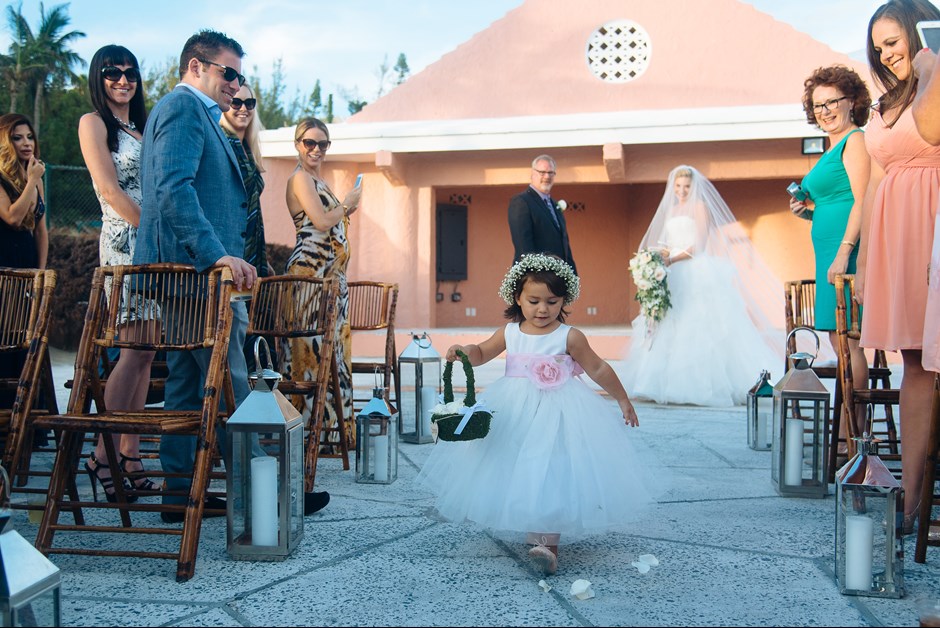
x=296 y=447
x=799 y=443
x=238 y=495
x=760 y=422
x=42 y=610
x=869 y=560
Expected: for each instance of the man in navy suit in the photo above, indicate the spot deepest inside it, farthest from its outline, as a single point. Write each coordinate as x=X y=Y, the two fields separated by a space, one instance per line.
x=194 y=212
x=535 y=222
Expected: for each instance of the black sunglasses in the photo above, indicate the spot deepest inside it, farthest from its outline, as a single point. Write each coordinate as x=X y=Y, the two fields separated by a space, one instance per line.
x=229 y=74
x=114 y=74
x=323 y=144
x=250 y=103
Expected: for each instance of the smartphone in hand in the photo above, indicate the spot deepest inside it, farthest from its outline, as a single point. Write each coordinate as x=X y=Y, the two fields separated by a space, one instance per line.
x=358 y=180
x=929 y=32
x=796 y=191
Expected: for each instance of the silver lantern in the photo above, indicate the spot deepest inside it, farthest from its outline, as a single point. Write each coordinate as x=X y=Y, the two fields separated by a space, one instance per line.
x=760 y=399
x=376 y=441
x=30 y=589
x=800 y=429
x=420 y=353
x=869 y=513
x=265 y=473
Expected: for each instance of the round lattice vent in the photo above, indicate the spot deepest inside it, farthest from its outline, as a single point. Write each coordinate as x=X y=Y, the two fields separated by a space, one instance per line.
x=619 y=51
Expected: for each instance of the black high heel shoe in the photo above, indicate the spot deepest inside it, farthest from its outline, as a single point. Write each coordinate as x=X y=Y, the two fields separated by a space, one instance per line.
x=139 y=483
x=106 y=483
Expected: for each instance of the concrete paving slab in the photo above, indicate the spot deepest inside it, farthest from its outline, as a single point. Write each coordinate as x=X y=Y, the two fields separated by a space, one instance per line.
x=732 y=552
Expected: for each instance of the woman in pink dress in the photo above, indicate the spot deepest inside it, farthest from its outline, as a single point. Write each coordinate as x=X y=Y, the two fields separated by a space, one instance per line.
x=897 y=232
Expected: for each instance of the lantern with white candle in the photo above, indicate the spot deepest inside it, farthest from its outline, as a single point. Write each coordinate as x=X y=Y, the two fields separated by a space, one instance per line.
x=376 y=441
x=420 y=355
x=800 y=429
x=265 y=471
x=760 y=399
x=869 y=509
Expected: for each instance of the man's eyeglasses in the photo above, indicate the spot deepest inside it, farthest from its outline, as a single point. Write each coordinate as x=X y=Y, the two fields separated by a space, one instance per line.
x=546 y=173
x=829 y=105
x=229 y=74
x=114 y=74
x=250 y=103
x=323 y=144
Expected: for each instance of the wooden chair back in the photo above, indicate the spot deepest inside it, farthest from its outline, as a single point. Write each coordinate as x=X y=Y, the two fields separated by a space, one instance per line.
x=167 y=307
x=25 y=307
x=372 y=306
x=857 y=395
x=294 y=306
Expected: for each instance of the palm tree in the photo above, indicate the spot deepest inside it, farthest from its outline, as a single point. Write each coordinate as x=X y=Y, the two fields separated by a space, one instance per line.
x=36 y=59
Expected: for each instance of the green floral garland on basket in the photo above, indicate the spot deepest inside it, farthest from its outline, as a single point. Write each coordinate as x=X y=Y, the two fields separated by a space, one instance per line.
x=460 y=421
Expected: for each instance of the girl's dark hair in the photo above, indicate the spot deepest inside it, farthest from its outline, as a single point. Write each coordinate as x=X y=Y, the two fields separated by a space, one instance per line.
x=555 y=284
x=907 y=13
x=112 y=55
x=847 y=81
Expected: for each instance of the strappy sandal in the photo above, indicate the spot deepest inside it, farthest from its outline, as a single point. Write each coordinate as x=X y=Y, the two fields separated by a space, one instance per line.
x=107 y=483
x=139 y=483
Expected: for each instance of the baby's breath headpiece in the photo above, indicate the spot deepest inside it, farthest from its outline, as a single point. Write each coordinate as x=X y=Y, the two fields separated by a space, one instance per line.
x=535 y=262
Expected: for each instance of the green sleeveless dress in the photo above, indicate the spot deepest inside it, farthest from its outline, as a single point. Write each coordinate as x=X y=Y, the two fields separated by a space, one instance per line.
x=828 y=185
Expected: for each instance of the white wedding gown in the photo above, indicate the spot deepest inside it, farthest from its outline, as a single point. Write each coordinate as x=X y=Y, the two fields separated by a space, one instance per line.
x=707 y=350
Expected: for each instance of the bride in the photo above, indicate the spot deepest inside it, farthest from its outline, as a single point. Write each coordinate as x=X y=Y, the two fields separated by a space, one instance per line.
x=727 y=307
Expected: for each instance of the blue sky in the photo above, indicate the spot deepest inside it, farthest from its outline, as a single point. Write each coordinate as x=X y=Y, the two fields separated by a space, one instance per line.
x=343 y=42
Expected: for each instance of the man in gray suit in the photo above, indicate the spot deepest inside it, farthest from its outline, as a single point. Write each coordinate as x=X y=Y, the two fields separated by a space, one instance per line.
x=195 y=212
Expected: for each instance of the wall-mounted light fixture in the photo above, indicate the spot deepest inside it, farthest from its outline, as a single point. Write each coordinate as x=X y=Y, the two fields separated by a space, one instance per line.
x=814 y=145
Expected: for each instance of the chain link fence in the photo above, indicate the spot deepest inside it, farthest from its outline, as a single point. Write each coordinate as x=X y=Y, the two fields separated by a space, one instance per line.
x=70 y=198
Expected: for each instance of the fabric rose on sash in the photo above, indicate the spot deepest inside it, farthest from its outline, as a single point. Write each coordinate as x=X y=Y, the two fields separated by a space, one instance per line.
x=548 y=373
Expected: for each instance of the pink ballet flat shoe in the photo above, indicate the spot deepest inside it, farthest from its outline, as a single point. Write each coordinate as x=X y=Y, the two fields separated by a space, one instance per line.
x=544 y=558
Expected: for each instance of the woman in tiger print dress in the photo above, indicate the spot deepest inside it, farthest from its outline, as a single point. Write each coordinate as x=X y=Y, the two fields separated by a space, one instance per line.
x=322 y=250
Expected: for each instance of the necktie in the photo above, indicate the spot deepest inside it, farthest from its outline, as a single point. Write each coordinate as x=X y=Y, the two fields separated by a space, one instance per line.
x=551 y=212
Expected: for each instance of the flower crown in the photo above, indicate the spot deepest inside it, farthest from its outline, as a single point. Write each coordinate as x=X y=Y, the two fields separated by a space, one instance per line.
x=536 y=262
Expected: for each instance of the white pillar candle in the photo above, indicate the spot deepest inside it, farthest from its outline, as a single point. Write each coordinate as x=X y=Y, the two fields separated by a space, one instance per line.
x=763 y=420
x=264 y=501
x=428 y=401
x=793 y=464
x=859 y=535
x=380 y=457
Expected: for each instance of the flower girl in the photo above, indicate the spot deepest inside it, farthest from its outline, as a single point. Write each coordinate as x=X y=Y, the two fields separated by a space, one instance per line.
x=558 y=459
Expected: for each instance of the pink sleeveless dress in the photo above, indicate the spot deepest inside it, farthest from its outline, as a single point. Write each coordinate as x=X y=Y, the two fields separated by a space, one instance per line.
x=901 y=235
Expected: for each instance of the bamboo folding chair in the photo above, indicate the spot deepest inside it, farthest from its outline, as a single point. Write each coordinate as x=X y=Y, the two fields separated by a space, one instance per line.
x=25 y=307
x=372 y=307
x=181 y=310
x=883 y=428
x=928 y=528
x=293 y=306
x=800 y=311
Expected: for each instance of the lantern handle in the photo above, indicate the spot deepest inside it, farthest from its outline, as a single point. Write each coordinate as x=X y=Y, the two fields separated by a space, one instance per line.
x=417 y=340
x=258 y=342
x=803 y=328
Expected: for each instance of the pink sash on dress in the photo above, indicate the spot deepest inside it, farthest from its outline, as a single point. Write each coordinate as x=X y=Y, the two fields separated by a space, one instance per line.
x=545 y=371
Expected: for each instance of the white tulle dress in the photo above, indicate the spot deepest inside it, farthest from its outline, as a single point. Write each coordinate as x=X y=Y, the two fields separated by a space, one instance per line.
x=707 y=350
x=557 y=459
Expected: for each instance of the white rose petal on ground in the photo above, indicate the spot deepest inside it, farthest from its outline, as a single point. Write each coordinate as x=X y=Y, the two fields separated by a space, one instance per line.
x=581 y=589
x=649 y=559
x=641 y=567
x=545 y=586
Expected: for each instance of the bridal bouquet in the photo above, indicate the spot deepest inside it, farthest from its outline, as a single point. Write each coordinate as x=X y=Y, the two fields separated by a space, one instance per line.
x=652 y=290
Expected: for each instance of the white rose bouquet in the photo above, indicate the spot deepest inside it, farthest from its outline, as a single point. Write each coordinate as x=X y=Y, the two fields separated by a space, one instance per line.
x=650 y=276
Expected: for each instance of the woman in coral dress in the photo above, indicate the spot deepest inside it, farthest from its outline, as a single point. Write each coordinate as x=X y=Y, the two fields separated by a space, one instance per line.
x=897 y=230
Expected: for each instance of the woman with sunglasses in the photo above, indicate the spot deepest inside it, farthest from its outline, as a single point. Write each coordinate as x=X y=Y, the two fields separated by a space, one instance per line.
x=322 y=250
x=897 y=228
x=110 y=139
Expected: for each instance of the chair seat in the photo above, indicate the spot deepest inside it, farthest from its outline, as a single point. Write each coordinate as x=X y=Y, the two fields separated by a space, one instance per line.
x=149 y=422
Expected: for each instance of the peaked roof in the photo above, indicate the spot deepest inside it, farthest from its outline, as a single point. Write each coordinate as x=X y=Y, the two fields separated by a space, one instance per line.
x=533 y=62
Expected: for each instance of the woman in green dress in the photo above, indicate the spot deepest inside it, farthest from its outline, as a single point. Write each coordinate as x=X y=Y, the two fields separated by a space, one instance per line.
x=836 y=100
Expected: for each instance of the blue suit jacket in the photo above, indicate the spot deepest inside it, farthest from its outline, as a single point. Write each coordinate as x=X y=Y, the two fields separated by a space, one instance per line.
x=194 y=208
x=533 y=230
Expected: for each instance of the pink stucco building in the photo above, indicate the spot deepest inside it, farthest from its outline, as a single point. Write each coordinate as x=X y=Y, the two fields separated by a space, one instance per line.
x=618 y=92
